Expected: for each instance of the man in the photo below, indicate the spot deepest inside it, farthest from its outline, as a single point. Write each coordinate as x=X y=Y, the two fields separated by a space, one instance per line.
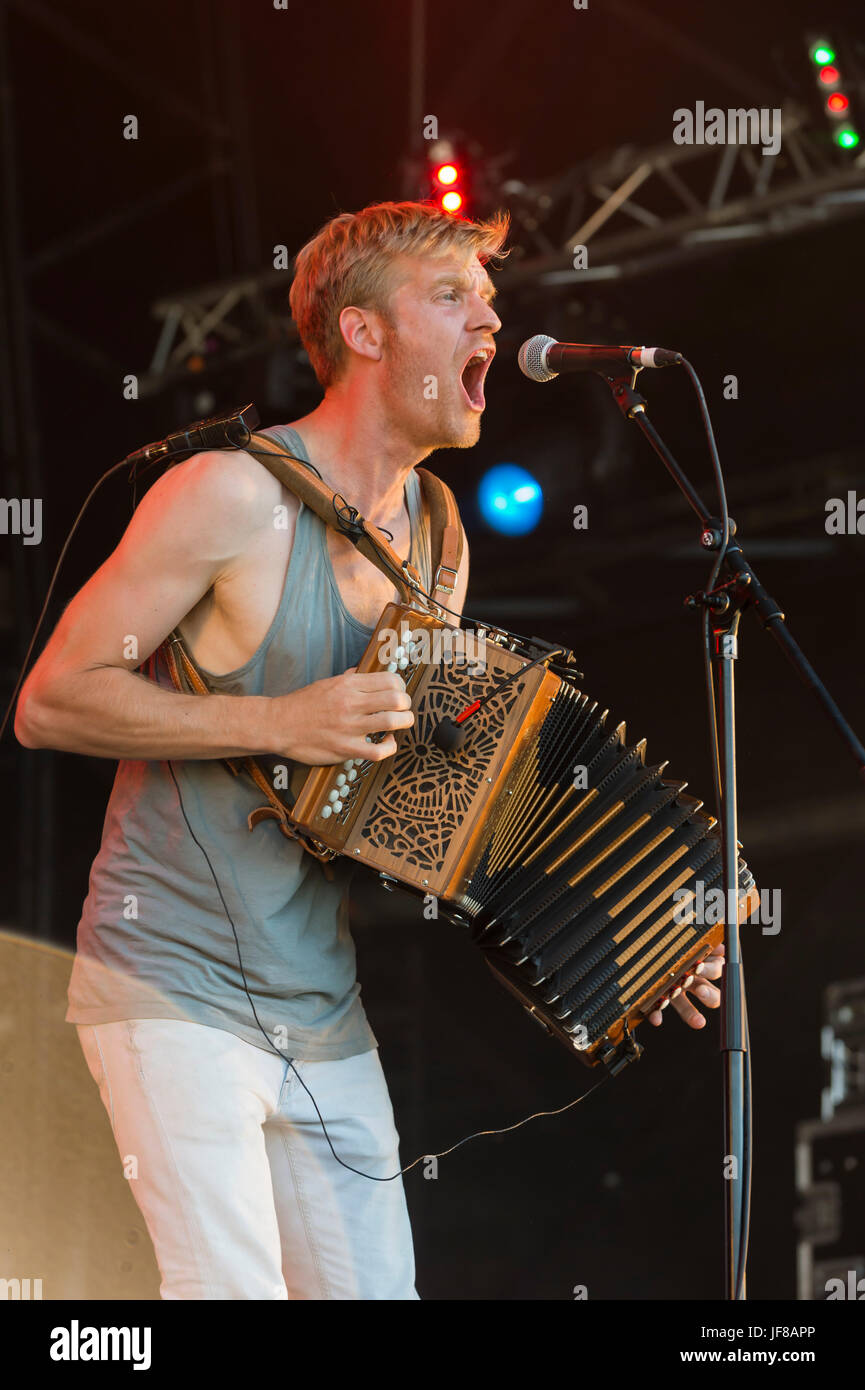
x=208 y=956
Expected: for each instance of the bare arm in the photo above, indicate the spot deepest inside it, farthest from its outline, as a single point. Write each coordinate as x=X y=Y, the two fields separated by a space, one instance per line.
x=83 y=695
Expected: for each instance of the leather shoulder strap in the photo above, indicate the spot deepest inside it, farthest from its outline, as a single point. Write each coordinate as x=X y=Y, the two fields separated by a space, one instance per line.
x=446 y=533
x=187 y=679
x=446 y=545
x=334 y=511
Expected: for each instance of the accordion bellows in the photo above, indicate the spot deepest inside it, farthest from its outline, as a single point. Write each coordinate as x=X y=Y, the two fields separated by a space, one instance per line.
x=569 y=858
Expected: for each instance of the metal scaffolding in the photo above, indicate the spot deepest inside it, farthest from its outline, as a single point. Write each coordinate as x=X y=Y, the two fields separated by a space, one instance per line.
x=634 y=210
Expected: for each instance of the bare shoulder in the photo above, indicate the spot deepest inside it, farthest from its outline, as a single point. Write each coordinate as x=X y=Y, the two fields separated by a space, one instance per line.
x=225 y=495
x=224 y=475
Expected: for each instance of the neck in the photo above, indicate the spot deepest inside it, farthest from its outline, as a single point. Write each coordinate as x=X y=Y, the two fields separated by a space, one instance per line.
x=360 y=452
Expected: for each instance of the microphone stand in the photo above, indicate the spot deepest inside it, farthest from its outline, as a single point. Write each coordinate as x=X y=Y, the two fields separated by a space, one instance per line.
x=742 y=589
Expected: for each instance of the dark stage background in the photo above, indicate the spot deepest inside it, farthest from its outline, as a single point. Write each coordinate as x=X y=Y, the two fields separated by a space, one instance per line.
x=621 y=1194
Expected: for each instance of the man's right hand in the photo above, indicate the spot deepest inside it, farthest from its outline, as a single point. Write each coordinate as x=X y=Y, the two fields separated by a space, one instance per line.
x=329 y=721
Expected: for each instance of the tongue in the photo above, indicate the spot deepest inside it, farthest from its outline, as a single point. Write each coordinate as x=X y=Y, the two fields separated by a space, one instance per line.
x=472 y=384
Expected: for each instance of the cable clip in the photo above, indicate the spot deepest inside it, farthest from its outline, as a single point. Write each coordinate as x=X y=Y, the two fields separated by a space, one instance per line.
x=351 y=523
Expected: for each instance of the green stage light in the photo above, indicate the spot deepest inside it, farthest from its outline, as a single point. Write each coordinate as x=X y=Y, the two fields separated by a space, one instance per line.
x=821 y=53
x=847 y=138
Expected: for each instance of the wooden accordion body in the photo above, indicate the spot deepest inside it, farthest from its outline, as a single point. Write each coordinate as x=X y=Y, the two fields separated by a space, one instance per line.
x=565 y=879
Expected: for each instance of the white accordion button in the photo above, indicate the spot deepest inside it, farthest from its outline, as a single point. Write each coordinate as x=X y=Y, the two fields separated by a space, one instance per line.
x=341 y=780
x=391 y=665
x=337 y=806
x=352 y=776
x=402 y=663
x=333 y=796
x=326 y=811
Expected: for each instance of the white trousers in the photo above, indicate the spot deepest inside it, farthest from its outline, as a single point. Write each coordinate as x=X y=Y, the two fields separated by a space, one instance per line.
x=235 y=1179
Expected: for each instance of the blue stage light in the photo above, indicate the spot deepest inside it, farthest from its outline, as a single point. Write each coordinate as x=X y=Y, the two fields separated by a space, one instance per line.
x=510 y=500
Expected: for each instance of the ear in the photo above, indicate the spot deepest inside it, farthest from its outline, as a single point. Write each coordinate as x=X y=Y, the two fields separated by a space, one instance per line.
x=363 y=332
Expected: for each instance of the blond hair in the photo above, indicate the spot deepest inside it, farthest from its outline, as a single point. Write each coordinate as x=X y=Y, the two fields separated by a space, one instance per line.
x=350 y=259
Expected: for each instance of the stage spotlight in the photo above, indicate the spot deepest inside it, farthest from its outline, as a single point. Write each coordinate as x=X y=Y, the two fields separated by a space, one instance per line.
x=836 y=102
x=510 y=499
x=446 y=174
x=821 y=53
x=449 y=176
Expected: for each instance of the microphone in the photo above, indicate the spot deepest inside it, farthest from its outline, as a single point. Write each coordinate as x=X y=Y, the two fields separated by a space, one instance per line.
x=218 y=432
x=448 y=736
x=541 y=358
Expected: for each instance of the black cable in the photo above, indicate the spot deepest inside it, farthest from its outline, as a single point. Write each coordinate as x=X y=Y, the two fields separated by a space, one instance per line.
x=133 y=475
x=290 y=1061
x=506 y=680
x=716 y=774
x=352 y=524
x=60 y=560
x=352 y=516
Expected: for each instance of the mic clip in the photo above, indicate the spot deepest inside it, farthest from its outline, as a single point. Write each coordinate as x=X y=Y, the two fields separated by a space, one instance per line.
x=351 y=523
x=629 y=401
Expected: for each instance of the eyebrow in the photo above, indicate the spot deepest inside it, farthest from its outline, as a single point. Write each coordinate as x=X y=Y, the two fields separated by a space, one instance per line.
x=464 y=282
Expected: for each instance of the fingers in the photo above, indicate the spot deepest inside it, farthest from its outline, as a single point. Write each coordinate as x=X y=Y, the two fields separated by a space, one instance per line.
x=378 y=683
x=386 y=696
x=707 y=994
x=376 y=752
x=709 y=997
x=382 y=719
x=687 y=1013
x=713 y=969
x=370 y=701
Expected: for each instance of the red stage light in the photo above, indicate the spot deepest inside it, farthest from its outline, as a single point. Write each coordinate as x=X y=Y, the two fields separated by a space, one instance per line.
x=447 y=174
x=838 y=103
x=829 y=75
x=452 y=202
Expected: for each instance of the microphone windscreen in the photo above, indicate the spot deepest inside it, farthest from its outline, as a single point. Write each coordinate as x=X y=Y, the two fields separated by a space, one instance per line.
x=531 y=358
x=448 y=736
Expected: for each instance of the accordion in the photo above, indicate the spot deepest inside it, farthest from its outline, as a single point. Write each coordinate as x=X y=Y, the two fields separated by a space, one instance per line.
x=573 y=862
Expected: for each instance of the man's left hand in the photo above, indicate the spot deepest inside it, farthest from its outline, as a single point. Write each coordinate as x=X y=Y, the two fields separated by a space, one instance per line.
x=708 y=995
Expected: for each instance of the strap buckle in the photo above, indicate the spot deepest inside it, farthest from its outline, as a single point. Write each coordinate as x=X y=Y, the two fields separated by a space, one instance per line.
x=445 y=588
x=412 y=578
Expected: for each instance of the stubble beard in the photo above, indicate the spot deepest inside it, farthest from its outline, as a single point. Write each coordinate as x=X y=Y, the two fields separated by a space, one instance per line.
x=442 y=421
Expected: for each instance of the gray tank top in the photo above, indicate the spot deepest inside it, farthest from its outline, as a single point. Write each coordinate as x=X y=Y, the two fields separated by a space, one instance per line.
x=154 y=940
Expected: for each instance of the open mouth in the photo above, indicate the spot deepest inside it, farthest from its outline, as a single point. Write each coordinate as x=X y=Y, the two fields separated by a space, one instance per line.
x=472 y=377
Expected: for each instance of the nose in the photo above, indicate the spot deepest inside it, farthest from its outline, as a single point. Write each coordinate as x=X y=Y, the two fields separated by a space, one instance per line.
x=486 y=316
